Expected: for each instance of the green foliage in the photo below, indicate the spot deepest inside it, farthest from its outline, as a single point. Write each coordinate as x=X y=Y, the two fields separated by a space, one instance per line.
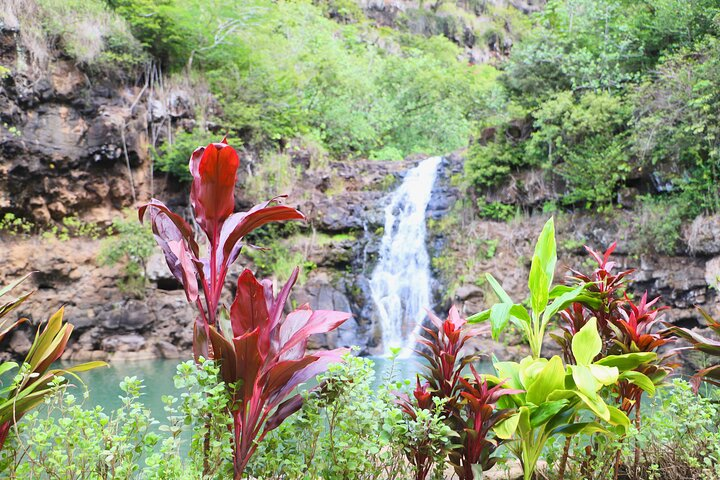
x=583 y=140
x=90 y=33
x=66 y=440
x=502 y=212
x=278 y=260
x=344 y=430
x=14 y=225
x=679 y=440
x=130 y=243
x=657 y=229
x=174 y=157
x=274 y=175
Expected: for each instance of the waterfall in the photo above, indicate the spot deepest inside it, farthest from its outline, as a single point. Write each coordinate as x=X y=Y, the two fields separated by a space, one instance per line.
x=400 y=283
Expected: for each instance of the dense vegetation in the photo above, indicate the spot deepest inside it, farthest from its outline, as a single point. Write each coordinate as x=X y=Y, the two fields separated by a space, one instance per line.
x=610 y=95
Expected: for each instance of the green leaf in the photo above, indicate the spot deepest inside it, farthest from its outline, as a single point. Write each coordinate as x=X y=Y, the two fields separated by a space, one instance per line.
x=584 y=380
x=627 y=361
x=605 y=375
x=639 y=379
x=537 y=283
x=502 y=295
x=542 y=413
x=506 y=429
x=7 y=366
x=551 y=378
x=586 y=343
x=562 y=302
x=580 y=428
x=546 y=253
x=618 y=418
x=499 y=316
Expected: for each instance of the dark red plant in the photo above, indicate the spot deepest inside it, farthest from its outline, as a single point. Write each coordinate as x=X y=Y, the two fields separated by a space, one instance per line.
x=634 y=334
x=213 y=169
x=480 y=416
x=261 y=353
x=421 y=456
x=469 y=402
x=445 y=364
x=605 y=296
x=265 y=359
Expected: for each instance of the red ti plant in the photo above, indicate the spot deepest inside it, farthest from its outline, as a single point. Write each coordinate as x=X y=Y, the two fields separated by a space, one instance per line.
x=469 y=402
x=265 y=359
x=421 y=456
x=445 y=364
x=634 y=334
x=261 y=353
x=703 y=344
x=605 y=290
x=480 y=415
x=212 y=195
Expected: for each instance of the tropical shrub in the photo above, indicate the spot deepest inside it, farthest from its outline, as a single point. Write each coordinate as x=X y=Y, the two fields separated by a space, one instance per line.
x=261 y=353
x=346 y=428
x=542 y=270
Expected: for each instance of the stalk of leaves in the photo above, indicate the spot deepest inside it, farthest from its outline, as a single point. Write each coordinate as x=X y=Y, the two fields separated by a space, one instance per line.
x=261 y=354
x=710 y=374
x=545 y=301
x=35 y=379
x=470 y=403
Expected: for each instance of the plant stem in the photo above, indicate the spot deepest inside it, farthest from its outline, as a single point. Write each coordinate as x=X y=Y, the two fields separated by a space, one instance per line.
x=563 y=459
x=638 y=419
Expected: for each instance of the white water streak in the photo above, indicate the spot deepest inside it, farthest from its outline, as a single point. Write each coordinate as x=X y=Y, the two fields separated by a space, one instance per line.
x=400 y=283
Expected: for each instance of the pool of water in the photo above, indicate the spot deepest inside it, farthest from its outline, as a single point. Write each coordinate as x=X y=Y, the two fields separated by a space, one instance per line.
x=157 y=377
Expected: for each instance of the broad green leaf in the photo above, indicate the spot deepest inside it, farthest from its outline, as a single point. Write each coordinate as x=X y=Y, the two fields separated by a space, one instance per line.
x=639 y=379
x=502 y=295
x=479 y=317
x=521 y=313
x=586 y=343
x=537 y=283
x=530 y=368
x=580 y=428
x=584 y=380
x=605 y=375
x=562 y=302
x=618 y=418
x=627 y=361
x=506 y=429
x=7 y=366
x=524 y=426
x=595 y=404
x=551 y=378
x=544 y=412
x=499 y=316
x=546 y=253
x=509 y=371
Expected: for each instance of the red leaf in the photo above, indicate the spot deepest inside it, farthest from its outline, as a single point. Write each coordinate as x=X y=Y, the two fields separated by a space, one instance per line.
x=240 y=224
x=320 y=321
x=224 y=352
x=284 y=410
x=249 y=310
x=248 y=362
x=212 y=194
x=159 y=215
x=186 y=267
x=280 y=384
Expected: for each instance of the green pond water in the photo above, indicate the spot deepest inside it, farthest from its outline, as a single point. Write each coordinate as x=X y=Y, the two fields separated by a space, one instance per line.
x=157 y=377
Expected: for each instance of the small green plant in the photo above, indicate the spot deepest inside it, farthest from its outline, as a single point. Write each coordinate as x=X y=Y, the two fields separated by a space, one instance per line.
x=344 y=430
x=501 y=212
x=15 y=225
x=130 y=243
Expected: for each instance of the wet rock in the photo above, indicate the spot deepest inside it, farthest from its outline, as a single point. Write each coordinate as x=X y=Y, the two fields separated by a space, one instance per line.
x=123 y=343
x=703 y=235
x=20 y=343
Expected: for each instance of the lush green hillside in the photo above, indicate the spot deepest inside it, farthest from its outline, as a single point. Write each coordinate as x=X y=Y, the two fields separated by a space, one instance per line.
x=613 y=95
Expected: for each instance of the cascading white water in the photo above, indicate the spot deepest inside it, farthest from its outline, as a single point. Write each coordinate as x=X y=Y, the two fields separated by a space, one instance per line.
x=400 y=283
